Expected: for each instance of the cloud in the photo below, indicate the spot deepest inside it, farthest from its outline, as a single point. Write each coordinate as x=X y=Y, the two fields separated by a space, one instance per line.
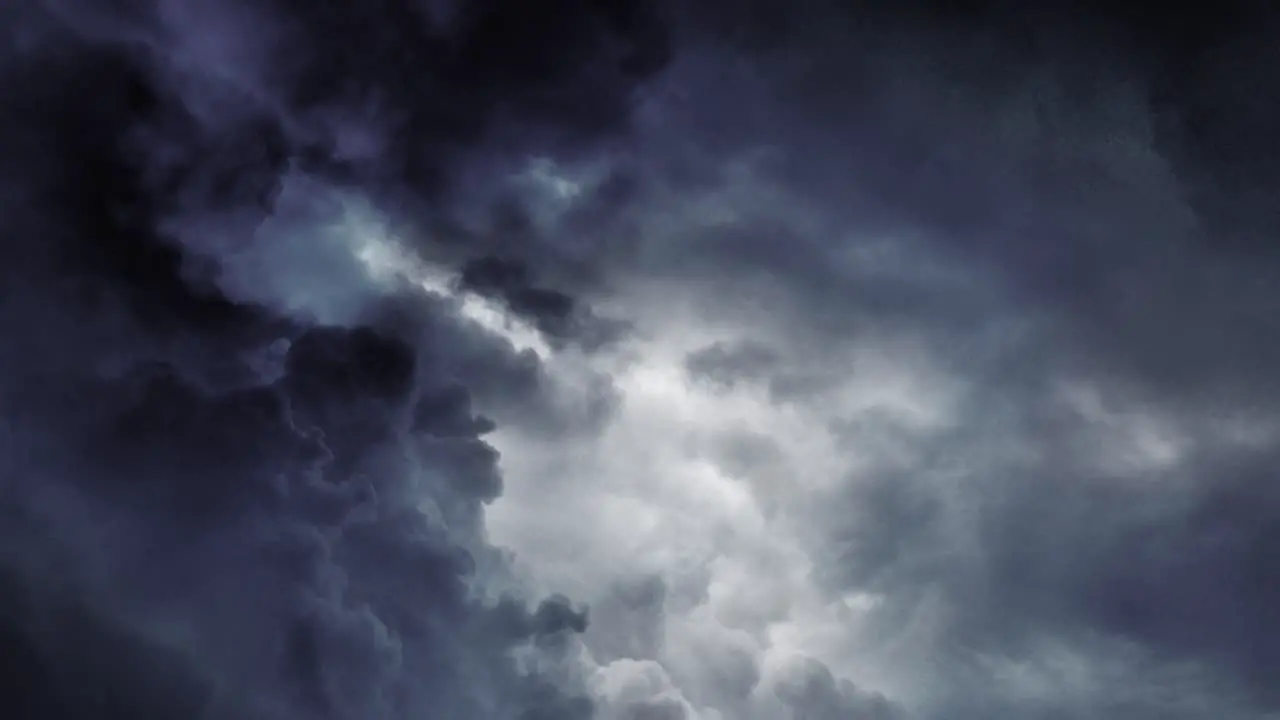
x=948 y=322
x=583 y=359
x=809 y=690
x=249 y=476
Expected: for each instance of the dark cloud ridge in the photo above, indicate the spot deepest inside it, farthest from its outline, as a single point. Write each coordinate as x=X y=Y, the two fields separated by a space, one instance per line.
x=223 y=508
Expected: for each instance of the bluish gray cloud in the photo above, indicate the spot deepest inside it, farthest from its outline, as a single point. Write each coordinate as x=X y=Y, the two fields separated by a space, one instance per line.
x=836 y=361
x=245 y=479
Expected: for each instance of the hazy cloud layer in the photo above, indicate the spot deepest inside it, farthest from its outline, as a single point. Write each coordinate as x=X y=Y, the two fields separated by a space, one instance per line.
x=638 y=361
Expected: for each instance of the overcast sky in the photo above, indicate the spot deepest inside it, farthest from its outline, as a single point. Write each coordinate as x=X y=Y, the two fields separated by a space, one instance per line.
x=571 y=359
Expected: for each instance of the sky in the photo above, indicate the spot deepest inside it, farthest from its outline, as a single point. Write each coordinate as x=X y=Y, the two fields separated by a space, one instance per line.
x=639 y=360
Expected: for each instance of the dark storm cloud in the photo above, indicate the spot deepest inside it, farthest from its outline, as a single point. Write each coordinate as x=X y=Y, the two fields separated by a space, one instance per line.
x=1076 y=156
x=61 y=660
x=1064 y=542
x=1114 y=215
x=1041 y=203
x=230 y=455
x=249 y=485
x=1094 y=184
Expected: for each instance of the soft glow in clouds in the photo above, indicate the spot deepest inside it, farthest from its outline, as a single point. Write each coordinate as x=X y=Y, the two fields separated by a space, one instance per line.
x=706 y=482
x=657 y=495
x=388 y=263
x=563 y=360
x=697 y=486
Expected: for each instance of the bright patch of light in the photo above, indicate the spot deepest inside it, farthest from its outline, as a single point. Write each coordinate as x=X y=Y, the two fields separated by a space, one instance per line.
x=653 y=494
x=387 y=261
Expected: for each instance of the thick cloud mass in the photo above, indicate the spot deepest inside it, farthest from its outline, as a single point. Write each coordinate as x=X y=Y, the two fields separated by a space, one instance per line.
x=638 y=361
x=240 y=480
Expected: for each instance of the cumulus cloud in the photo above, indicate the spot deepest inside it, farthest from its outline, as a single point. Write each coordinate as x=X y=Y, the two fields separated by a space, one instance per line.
x=636 y=361
x=949 y=318
x=242 y=465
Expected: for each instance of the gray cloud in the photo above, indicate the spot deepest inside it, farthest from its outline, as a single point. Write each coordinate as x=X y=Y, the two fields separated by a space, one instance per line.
x=976 y=310
x=810 y=690
x=248 y=475
x=1040 y=515
x=1054 y=222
